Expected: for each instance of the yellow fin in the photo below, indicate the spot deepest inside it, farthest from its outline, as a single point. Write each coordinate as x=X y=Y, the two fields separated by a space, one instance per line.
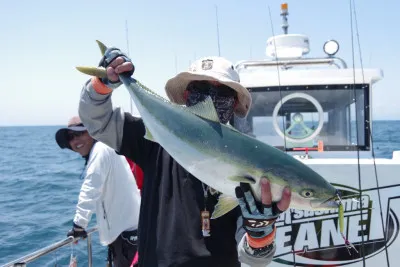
x=148 y=135
x=242 y=179
x=225 y=204
x=205 y=109
x=102 y=47
x=232 y=128
x=93 y=71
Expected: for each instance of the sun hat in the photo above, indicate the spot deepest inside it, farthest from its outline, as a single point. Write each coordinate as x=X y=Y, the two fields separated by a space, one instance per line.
x=210 y=69
x=74 y=124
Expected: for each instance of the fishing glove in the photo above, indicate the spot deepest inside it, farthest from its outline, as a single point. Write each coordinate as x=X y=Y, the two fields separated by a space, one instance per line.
x=109 y=56
x=258 y=219
x=77 y=231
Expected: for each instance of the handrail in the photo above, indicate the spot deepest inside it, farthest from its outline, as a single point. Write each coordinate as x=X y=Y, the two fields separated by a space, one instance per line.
x=46 y=250
x=303 y=61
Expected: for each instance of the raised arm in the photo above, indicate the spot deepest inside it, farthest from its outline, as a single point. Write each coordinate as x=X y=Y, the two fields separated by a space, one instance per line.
x=104 y=123
x=95 y=108
x=121 y=131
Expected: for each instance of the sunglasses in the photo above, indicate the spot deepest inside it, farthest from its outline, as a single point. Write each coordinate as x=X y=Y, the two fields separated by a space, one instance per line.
x=207 y=88
x=71 y=135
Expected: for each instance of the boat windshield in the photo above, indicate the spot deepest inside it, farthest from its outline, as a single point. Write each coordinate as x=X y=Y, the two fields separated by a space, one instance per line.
x=300 y=117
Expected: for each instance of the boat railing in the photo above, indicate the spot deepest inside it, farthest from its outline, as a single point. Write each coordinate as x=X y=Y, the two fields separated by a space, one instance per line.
x=23 y=261
x=338 y=62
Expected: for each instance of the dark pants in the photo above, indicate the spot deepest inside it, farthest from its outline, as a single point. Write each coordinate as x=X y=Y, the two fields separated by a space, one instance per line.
x=123 y=249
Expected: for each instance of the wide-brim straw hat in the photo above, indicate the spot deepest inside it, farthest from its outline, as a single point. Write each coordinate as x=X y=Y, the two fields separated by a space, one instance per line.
x=210 y=69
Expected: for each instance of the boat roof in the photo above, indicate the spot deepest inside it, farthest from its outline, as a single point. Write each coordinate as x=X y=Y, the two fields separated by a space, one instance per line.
x=268 y=76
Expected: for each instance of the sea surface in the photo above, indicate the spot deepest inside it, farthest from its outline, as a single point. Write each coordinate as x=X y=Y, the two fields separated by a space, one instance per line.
x=39 y=187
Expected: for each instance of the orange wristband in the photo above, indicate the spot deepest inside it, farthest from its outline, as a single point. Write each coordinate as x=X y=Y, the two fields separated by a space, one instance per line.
x=261 y=242
x=100 y=87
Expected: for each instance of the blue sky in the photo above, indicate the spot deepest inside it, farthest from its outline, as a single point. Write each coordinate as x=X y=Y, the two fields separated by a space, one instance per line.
x=43 y=41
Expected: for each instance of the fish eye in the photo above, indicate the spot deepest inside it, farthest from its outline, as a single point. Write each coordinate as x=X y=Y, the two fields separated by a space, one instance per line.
x=307 y=193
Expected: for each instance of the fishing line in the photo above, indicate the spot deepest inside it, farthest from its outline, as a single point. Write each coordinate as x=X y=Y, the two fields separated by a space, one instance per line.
x=357 y=137
x=370 y=135
x=283 y=121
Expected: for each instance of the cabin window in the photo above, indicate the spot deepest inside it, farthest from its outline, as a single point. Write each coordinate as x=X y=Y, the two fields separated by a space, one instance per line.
x=294 y=117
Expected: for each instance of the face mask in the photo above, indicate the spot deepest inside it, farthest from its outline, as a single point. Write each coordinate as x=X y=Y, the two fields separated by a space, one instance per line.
x=222 y=96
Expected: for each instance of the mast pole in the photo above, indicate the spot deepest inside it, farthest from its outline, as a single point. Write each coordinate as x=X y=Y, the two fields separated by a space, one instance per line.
x=284 y=13
x=127 y=50
x=216 y=15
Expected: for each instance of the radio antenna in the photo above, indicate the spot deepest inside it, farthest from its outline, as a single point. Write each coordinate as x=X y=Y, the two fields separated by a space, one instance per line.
x=127 y=50
x=216 y=15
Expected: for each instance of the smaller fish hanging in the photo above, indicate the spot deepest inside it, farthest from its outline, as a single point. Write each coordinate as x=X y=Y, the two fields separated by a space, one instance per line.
x=73 y=261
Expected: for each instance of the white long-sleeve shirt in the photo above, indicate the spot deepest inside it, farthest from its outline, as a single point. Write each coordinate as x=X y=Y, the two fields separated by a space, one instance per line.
x=110 y=191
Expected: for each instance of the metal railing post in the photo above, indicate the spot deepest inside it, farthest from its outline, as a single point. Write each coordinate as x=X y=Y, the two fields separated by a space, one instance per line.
x=22 y=262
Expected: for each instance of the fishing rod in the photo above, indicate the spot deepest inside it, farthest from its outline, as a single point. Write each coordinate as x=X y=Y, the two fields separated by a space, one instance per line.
x=353 y=8
x=356 y=126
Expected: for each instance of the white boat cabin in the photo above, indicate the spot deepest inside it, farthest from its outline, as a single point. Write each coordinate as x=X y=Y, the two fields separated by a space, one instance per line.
x=319 y=111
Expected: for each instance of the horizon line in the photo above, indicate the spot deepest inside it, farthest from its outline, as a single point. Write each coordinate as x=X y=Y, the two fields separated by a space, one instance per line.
x=52 y=125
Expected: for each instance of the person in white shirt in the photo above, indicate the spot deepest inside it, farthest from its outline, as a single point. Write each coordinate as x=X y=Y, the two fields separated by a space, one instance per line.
x=109 y=190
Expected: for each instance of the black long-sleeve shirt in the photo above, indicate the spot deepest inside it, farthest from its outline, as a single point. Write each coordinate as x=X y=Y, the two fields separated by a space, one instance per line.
x=170 y=222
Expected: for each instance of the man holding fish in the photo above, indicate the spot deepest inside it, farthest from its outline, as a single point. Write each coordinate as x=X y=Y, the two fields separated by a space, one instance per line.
x=175 y=228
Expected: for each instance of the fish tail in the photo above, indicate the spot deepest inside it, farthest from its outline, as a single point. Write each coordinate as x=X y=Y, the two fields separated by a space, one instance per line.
x=102 y=47
x=95 y=71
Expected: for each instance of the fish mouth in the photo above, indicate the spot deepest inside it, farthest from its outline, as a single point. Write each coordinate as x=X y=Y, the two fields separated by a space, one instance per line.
x=330 y=203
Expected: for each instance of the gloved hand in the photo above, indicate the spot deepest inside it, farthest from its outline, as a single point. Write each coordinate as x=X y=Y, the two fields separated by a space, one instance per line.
x=115 y=62
x=77 y=231
x=259 y=218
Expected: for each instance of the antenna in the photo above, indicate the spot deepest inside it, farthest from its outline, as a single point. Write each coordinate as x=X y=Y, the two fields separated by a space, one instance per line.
x=216 y=15
x=284 y=13
x=127 y=39
x=176 y=64
x=127 y=50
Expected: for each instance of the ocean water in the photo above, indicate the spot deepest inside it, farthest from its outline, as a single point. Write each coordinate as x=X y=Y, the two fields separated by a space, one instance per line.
x=39 y=187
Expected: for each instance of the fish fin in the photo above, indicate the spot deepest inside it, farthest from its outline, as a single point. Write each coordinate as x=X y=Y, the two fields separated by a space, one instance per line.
x=225 y=204
x=242 y=179
x=102 y=47
x=148 y=135
x=205 y=109
x=233 y=128
x=93 y=71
